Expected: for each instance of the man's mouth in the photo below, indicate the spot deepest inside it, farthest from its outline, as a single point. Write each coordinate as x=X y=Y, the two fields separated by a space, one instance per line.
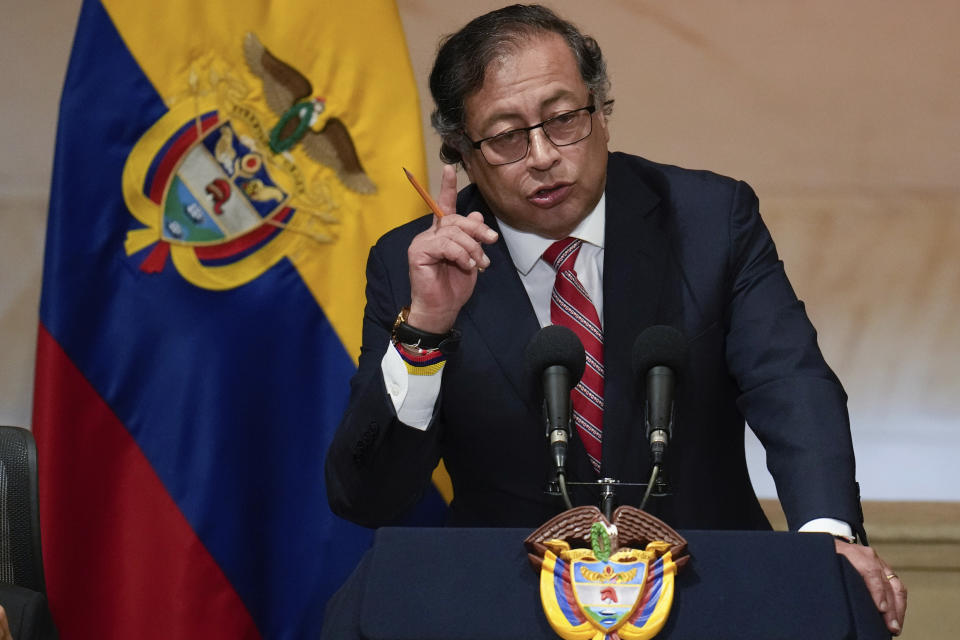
x=550 y=195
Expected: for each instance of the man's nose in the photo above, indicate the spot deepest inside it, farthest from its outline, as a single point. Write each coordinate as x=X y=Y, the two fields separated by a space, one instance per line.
x=542 y=154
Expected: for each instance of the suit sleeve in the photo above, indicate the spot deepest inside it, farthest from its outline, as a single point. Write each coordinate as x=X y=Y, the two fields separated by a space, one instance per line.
x=788 y=395
x=377 y=467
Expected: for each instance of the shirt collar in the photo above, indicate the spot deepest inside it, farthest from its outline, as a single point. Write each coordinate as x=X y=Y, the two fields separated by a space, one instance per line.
x=527 y=247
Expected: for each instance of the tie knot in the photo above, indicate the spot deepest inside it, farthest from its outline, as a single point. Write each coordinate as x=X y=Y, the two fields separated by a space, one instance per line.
x=563 y=253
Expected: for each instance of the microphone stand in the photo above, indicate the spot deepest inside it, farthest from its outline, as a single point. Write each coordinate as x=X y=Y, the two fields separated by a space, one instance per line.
x=608 y=491
x=608 y=494
x=562 y=482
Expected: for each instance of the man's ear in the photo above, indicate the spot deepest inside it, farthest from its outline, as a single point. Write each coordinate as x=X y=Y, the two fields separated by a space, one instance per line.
x=466 y=167
x=604 y=124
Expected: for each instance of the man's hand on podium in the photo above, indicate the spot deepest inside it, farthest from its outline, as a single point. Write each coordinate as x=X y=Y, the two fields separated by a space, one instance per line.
x=887 y=589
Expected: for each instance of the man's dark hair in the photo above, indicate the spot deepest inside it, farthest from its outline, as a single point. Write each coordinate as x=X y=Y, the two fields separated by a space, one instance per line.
x=464 y=56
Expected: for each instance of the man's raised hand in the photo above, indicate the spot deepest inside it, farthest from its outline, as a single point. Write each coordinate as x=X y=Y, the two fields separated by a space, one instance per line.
x=444 y=261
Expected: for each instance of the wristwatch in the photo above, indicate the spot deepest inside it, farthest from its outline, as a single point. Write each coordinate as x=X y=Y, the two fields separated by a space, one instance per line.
x=415 y=339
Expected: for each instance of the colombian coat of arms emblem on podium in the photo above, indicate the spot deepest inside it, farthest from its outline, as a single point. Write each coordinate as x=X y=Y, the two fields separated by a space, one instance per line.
x=619 y=585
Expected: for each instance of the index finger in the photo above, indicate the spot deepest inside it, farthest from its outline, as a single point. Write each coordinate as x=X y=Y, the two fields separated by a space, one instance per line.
x=447 y=198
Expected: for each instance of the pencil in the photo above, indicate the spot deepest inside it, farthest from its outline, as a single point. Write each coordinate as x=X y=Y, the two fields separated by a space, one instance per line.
x=423 y=194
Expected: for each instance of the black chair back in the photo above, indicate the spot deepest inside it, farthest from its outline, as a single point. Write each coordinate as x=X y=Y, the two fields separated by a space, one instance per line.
x=21 y=562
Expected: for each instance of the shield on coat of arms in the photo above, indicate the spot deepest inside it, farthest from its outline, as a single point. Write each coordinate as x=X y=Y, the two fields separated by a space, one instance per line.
x=609 y=592
x=220 y=190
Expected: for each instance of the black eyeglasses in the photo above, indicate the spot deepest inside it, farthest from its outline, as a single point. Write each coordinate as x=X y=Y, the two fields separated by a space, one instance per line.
x=563 y=129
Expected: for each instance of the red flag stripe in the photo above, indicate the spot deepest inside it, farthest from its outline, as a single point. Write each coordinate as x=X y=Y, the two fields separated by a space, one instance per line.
x=105 y=515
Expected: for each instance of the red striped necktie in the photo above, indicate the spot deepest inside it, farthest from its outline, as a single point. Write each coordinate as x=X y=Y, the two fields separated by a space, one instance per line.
x=570 y=306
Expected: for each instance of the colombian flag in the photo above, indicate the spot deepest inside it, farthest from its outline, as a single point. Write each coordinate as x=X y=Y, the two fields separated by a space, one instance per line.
x=221 y=171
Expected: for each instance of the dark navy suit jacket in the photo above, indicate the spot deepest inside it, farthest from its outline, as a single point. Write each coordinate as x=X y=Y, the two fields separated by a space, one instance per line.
x=683 y=248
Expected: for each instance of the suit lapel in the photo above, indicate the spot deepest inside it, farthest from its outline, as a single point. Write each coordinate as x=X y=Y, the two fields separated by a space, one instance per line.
x=499 y=309
x=637 y=272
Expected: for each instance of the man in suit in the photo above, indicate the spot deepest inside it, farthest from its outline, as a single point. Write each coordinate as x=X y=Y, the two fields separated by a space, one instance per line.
x=522 y=105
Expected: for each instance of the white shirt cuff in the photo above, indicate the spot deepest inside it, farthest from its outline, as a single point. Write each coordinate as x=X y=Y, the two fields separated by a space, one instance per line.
x=828 y=525
x=413 y=397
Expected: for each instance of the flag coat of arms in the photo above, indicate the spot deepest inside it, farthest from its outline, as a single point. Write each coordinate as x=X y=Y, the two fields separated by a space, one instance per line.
x=221 y=171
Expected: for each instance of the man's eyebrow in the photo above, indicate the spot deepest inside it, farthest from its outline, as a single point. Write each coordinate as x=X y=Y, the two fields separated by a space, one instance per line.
x=507 y=116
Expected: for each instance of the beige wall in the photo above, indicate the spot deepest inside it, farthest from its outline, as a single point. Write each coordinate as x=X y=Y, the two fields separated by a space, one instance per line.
x=34 y=44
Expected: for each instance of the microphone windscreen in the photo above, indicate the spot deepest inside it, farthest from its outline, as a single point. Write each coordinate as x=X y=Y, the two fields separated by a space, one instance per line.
x=556 y=345
x=659 y=345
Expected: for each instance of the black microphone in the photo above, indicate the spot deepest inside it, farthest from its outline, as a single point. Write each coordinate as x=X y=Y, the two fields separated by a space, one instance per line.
x=556 y=359
x=659 y=355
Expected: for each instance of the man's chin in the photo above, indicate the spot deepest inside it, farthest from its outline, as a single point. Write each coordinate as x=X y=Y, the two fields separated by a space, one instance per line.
x=556 y=224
